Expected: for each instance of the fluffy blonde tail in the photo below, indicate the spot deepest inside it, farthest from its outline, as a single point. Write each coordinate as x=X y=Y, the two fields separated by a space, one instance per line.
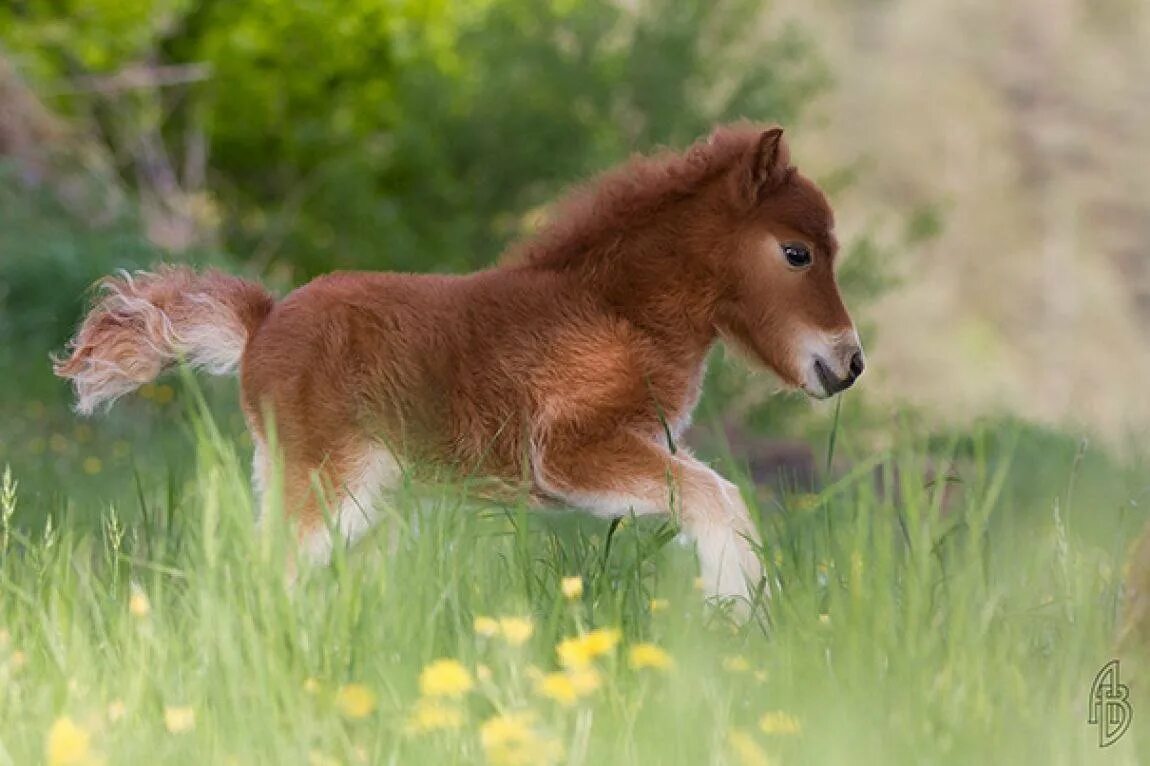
x=145 y=322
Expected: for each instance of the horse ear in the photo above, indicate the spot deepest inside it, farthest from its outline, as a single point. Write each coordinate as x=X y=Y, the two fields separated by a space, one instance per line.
x=770 y=163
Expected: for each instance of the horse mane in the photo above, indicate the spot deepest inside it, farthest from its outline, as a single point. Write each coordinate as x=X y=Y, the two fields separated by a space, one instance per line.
x=620 y=200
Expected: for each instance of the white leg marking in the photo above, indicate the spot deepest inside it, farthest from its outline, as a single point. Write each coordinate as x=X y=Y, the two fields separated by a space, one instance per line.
x=261 y=472
x=712 y=512
x=715 y=515
x=354 y=513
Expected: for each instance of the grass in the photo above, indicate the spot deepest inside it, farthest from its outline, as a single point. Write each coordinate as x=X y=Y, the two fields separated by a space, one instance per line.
x=145 y=619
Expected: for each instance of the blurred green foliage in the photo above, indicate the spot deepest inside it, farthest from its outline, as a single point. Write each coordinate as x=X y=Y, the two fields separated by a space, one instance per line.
x=415 y=134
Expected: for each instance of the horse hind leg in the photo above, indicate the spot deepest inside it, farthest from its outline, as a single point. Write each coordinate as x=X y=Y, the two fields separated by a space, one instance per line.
x=330 y=504
x=345 y=509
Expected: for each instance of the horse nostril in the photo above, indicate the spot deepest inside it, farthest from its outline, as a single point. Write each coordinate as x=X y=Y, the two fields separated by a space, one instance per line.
x=857 y=364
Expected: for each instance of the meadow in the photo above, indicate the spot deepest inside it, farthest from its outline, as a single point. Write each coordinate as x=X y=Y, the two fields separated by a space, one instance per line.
x=944 y=594
x=145 y=619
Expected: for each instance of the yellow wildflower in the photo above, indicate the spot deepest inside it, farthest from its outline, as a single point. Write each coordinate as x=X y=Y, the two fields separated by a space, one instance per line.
x=164 y=394
x=92 y=465
x=68 y=743
x=355 y=701
x=585 y=680
x=736 y=663
x=579 y=651
x=486 y=626
x=558 y=687
x=516 y=630
x=311 y=685
x=572 y=587
x=138 y=603
x=178 y=720
x=649 y=656
x=510 y=740
x=431 y=715
x=659 y=605
x=506 y=729
x=746 y=749
x=778 y=722
x=445 y=678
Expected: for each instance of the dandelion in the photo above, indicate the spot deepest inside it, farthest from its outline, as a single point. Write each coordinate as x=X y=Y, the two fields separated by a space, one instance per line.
x=506 y=729
x=510 y=740
x=580 y=651
x=572 y=587
x=164 y=394
x=355 y=701
x=649 y=656
x=178 y=720
x=516 y=630
x=311 y=685
x=433 y=715
x=68 y=743
x=747 y=751
x=92 y=465
x=659 y=605
x=585 y=680
x=557 y=687
x=138 y=603
x=486 y=626
x=779 y=722
x=445 y=678
x=736 y=663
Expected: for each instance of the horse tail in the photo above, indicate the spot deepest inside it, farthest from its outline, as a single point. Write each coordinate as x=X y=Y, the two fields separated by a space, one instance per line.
x=145 y=322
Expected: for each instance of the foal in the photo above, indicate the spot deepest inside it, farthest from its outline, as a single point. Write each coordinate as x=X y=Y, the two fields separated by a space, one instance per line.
x=571 y=370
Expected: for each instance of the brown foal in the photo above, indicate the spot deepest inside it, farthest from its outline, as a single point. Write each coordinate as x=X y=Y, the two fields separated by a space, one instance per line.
x=563 y=369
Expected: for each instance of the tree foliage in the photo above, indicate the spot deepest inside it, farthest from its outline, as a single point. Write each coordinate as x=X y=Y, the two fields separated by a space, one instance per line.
x=415 y=134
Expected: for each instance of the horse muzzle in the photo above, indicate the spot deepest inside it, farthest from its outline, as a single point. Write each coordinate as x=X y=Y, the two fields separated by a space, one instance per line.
x=834 y=368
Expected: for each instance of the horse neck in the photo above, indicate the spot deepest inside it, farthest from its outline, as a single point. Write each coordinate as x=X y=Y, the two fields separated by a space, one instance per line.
x=650 y=277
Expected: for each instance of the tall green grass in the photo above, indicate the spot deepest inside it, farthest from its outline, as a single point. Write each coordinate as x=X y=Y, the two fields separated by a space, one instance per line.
x=902 y=630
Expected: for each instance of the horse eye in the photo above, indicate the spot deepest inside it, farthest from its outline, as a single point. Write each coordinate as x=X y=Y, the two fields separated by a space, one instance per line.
x=798 y=255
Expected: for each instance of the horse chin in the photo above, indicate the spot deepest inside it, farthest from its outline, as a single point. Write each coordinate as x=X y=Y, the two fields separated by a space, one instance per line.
x=816 y=392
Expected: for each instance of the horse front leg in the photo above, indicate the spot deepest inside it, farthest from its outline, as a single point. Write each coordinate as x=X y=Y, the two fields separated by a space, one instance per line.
x=626 y=473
